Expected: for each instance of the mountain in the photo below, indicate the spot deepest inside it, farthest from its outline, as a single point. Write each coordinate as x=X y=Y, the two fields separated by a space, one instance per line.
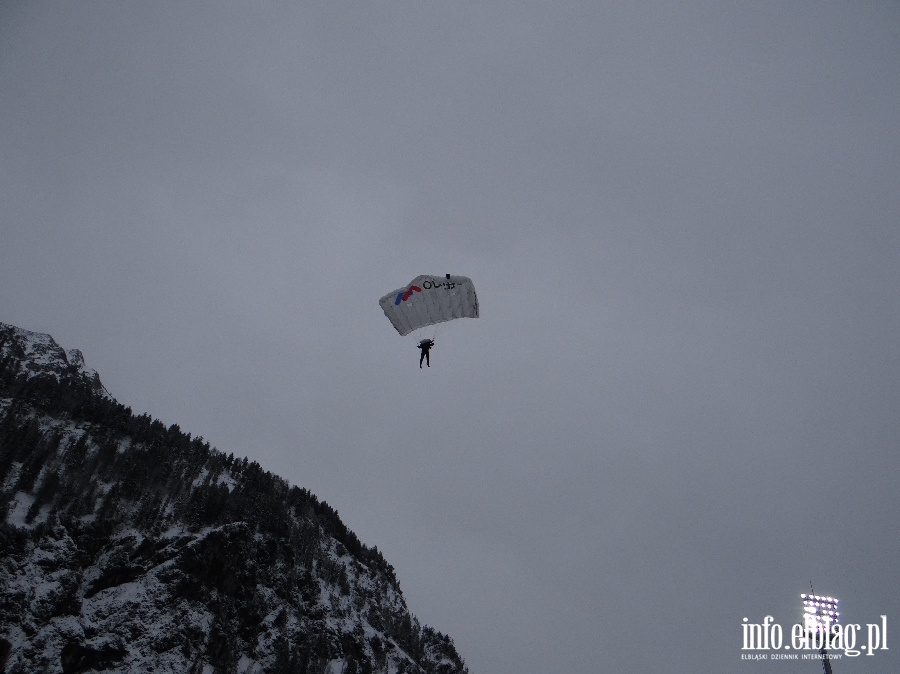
x=130 y=546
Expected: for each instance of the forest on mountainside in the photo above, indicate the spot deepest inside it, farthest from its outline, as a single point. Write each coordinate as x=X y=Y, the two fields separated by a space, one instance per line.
x=128 y=543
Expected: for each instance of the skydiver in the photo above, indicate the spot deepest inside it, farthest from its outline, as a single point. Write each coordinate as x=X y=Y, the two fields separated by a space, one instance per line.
x=425 y=346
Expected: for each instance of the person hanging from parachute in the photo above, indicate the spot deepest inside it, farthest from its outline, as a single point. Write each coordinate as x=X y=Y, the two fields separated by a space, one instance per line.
x=427 y=301
x=425 y=346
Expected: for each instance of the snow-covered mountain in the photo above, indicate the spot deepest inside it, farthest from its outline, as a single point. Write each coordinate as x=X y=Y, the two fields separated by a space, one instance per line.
x=128 y=546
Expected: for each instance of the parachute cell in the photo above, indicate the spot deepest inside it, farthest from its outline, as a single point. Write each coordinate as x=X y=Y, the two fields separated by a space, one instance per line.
x=427 y=300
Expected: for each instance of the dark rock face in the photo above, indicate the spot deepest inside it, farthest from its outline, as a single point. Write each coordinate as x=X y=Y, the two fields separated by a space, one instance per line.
x=128 y=546
x=77 y=657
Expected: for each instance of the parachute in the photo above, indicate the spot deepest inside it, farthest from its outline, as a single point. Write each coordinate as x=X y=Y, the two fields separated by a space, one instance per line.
x=427 y=300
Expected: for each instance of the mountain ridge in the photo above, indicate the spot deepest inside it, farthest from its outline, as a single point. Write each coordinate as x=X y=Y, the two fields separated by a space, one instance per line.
x=131 y=546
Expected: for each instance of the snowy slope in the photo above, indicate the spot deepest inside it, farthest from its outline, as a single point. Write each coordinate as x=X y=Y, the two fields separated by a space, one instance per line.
x=127 y=546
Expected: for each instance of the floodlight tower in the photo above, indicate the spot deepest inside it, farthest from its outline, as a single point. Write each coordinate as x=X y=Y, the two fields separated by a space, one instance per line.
x=820 y=616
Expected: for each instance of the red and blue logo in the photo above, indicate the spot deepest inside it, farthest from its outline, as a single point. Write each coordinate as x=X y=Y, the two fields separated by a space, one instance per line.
x=406 y=294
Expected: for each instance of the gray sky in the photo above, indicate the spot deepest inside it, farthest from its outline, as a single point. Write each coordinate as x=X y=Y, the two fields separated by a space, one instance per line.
x=680 y=403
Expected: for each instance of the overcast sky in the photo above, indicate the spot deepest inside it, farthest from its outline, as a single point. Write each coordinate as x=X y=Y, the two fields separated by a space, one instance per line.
x=681 y=402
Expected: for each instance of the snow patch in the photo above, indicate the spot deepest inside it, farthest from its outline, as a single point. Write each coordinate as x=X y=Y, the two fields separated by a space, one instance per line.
x=335 y=667
x=18 y=509
x=13 y=476
x=247 y=666
x=201 y=478
x=227 y=479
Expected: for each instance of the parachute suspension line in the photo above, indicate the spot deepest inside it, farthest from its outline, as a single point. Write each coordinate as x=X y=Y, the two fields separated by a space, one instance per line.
x=437 y=326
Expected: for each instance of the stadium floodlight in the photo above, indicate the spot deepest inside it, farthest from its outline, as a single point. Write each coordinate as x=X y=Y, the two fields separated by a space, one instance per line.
x=821 y=618
x=820 y=614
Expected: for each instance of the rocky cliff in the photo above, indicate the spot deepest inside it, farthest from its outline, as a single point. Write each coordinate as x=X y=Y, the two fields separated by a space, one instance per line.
x=129 y=546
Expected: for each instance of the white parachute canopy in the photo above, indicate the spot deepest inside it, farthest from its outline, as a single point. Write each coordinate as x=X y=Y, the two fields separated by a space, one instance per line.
x=427 y=300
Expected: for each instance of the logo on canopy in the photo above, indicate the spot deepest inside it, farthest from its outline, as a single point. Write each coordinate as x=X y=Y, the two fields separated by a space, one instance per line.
x=402 y=297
